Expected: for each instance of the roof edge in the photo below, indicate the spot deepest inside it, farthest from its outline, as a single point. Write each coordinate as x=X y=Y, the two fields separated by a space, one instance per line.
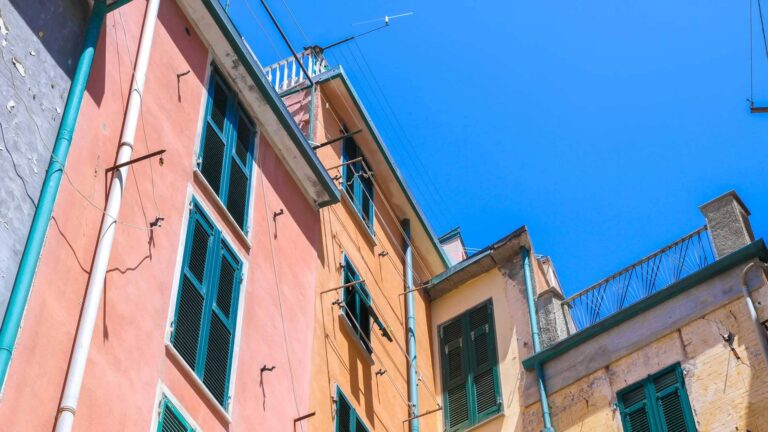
x=756 y=249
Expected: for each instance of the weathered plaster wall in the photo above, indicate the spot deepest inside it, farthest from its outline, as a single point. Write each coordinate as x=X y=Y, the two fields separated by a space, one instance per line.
x=726 y=382
x=128 y=351
x=338 y=360
x=505 y=286
x=44 y=39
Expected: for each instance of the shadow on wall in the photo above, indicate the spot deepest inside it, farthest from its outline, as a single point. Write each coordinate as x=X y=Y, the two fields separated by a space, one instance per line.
x=58 y=25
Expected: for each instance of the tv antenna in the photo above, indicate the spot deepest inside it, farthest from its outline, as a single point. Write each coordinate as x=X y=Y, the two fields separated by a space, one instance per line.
x=385 y=18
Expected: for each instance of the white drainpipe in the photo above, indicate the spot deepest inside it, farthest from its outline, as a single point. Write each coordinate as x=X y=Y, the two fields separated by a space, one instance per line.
x=761 y=336
x=77 y=363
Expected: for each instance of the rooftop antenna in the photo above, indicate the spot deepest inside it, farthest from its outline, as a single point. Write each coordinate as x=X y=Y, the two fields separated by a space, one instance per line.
x=386 y=19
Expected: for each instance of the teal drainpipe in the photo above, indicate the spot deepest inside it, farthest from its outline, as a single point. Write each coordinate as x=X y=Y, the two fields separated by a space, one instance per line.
x=37 y=231
x=410 y=320
x=536 y=344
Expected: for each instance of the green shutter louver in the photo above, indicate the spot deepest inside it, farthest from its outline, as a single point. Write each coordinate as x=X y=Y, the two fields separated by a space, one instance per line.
x=357 y=301
x=226 y=153
x=659 y=403
x=347 y=419
x=211 y=165
x=206 y=308
x=470 y=368
x=171 y=419
x=358 y=184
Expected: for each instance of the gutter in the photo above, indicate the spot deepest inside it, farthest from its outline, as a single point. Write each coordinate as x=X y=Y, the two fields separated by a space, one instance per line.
x=90 y=311
x=275 y=102
x=529 y=291
x=33 y=248
x=413 y=378
x=756 y=249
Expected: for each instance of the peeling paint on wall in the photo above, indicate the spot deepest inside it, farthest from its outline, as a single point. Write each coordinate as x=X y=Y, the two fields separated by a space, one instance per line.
x=34 y=80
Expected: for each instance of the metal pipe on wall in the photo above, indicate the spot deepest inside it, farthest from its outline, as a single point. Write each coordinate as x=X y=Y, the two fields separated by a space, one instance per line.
x=78 y=361
x=545 y=414
x=761 y=331
x=33 y=248
x=413 y=379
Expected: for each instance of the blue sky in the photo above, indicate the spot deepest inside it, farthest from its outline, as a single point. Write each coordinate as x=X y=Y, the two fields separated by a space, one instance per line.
x=600 y=125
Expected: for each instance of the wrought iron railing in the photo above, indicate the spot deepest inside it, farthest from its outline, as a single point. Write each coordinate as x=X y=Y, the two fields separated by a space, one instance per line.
x=287 y=73
x=645 y=277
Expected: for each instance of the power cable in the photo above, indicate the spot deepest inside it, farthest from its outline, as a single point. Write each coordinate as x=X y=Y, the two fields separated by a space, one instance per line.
x=263 y=30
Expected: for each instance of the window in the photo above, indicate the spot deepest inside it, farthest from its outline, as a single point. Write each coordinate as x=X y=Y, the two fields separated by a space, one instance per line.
x=347 y=419
x=226 y=151
x=471 y=390
x=357 y=305
x=658 y=403
x=358 y=182
x=171 y=419
x=206 y=308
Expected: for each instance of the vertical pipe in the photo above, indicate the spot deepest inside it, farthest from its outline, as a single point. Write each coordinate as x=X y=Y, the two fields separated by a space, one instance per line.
x=536 y=343
x=410 y=321
x=77 y=363
x=39 y=227
x=761 y=336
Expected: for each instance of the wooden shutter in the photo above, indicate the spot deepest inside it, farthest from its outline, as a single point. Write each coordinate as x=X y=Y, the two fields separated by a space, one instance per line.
x=344 y=414
x=455 y=380
x=239 y=173
x=482 y=348
x=171 y=419
x=659 y=403
x=191 y=296
x=671 y=403
x=221 y=328
x=635 y=415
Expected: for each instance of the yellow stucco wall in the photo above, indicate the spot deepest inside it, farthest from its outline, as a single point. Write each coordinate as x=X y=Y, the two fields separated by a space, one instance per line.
x=727 y=385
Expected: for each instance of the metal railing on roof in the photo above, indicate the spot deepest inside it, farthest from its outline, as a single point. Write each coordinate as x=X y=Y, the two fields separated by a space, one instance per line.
x=647 y=276
x=287 y=73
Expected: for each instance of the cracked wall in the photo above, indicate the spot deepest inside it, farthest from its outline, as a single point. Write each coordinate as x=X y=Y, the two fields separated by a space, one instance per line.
x=39 y=46
x=725 y=376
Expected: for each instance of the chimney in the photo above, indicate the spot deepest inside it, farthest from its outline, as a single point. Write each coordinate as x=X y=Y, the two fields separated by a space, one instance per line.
x=728 y=223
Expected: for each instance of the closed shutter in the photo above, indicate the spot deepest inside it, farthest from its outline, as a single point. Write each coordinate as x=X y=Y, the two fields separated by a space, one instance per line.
x=635 y=415
x=343 y=414
x=171 y=419
x=226 y=152
x=484 y=364
x=206 y=309
x=669 y=400
x=347 y=419
x=190 y=305
x=455 y=375
x=659 y=403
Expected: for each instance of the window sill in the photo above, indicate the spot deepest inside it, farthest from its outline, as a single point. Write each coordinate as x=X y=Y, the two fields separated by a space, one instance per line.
x=221 y=209
x=359 y=221
x=352 y=335
x=199 y=387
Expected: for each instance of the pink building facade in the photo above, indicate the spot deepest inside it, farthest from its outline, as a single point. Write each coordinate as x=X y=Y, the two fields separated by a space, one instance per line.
x=207 y=315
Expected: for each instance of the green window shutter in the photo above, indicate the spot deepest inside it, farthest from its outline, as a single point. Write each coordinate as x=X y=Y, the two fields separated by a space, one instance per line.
x=634 y=414
x=347 y=419
x=358 y=185
x=486 y=390
x=218 y=358
x=226 y=151
x=659 y=403
x=455 y=375
x=357 y=302
x=190 y=303
x=171 y=419
x=206 y=309
x=672 y=403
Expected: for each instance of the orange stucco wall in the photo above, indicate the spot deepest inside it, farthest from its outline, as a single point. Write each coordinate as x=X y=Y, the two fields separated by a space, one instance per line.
x=129 y=361
x=338 y=359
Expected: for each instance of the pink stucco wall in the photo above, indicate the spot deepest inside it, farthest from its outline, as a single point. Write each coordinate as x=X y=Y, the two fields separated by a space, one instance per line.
x=128 y=360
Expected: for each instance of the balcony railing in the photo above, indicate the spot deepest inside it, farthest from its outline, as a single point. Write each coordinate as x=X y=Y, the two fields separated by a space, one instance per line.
x=645 y=277
x=287 y=73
